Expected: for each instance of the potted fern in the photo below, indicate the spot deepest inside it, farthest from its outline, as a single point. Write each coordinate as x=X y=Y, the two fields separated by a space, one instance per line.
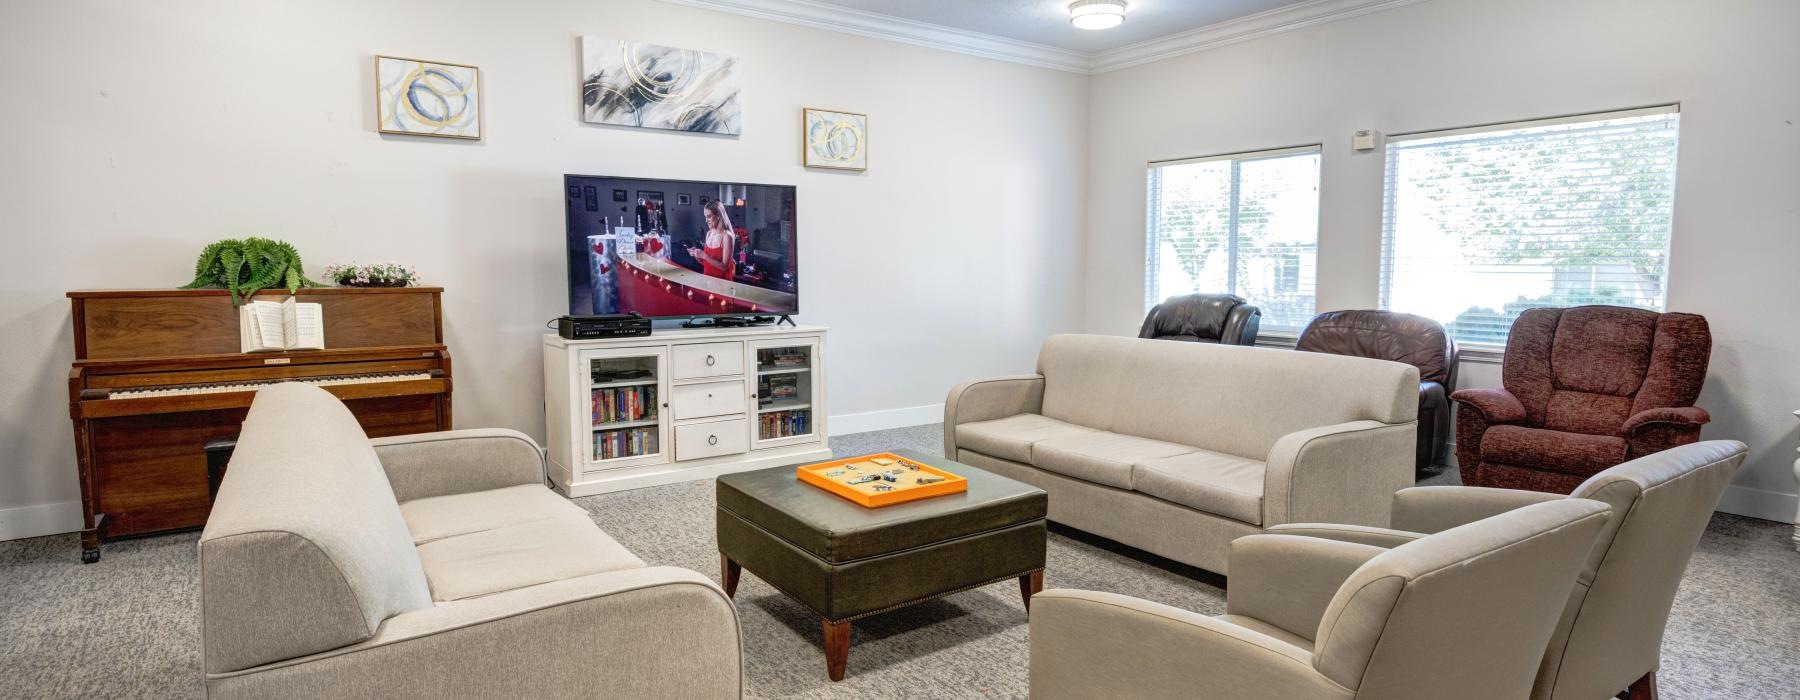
x=246 y=266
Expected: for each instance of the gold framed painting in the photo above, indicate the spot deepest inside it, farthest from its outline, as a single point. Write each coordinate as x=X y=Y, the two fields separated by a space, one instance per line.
x=427 y=98
x=834 y=140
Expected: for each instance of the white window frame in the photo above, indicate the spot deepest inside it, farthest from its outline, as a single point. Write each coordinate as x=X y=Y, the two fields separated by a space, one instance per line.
x=1492 y=352
x=1153 y=247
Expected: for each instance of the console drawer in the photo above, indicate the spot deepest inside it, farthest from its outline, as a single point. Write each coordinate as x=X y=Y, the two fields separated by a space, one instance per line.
x=709 y=399
x=702 y=440
x=707 y=360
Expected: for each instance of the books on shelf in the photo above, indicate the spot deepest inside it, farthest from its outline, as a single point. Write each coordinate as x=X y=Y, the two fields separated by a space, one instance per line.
x=781 y=358
x=628 y=442
x=624 y=404
x=781 y=424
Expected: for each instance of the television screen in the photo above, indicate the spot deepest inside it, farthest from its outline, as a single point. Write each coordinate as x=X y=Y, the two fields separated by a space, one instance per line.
x=665 y=248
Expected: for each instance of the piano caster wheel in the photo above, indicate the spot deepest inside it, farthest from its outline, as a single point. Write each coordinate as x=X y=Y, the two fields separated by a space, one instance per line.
x=89 y=556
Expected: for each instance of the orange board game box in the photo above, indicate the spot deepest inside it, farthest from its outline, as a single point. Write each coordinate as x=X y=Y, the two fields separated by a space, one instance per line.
x=835 y=476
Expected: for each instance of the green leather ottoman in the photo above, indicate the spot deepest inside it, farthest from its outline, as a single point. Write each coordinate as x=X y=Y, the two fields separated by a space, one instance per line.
x=846 y=562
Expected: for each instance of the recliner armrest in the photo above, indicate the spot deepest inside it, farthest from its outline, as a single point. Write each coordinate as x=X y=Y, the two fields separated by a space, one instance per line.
x=1679 y=416
x=988 y=399
x=458 y=461
x=1432 y=395
x=1498 y=405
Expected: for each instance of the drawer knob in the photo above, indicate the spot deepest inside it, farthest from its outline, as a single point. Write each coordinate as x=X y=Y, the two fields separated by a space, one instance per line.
x=710 y=360
x=712 y=439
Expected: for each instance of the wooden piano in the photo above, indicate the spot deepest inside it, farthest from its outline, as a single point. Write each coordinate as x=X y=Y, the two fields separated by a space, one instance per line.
x=159 y=373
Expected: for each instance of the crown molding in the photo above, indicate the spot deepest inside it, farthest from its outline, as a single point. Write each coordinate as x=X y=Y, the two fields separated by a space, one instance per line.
x=808 y=13
x=1261 y=24
x=811 y=13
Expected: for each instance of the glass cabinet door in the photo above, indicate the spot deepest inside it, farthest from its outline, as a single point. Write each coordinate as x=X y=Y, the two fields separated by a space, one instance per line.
x=626 y=397
x=786 y=383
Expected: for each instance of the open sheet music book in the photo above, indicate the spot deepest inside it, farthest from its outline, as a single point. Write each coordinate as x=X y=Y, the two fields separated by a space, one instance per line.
x=275 y=326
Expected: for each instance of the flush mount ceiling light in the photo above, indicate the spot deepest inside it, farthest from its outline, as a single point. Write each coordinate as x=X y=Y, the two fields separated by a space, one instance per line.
x=1097 y=14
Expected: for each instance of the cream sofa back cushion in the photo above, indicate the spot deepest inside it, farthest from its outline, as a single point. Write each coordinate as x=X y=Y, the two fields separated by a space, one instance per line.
x=305 y=549
x=1230 y=399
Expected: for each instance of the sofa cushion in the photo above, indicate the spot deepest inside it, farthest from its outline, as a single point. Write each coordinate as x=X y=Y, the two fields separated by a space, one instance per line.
x=1220 y=484
x=516 y=552
x=438 y=517
x=1553 y=450
x=1012 y=437
x=1100 y=457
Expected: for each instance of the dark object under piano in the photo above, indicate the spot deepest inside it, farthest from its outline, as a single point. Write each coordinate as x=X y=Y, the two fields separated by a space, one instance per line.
x=158 y=375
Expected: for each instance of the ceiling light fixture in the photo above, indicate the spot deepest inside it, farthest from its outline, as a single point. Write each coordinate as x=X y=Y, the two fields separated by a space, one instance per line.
x=1097 y=14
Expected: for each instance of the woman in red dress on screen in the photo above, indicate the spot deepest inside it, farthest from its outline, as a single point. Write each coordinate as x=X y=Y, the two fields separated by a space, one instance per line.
x=719 y=257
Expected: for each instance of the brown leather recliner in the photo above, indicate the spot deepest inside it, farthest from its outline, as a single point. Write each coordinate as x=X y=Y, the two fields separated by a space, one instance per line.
x=1405 y=338
x=1203 y=318
x=1586 y=388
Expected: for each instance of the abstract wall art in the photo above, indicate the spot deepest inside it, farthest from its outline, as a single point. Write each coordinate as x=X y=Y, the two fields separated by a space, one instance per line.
x=830 y=139
x=427 y=98
x=627 y=83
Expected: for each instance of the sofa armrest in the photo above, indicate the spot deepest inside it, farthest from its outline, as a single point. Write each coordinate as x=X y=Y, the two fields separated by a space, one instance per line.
x=1684 y=416
x=1086 y=644
x=1288 y=581
x=1385 y=538
x=1497 y=405
x=1344 y=473
x=988 y=399
x=1430 y=509
x=458 y=461
x=639 y=633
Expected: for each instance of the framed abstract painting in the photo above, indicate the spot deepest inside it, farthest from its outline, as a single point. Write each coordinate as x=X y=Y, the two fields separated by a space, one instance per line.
x=629 y=83
x=837 y=140
x=427 y=98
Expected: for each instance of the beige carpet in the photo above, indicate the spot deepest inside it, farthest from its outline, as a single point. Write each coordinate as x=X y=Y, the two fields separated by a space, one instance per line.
x=126 y=627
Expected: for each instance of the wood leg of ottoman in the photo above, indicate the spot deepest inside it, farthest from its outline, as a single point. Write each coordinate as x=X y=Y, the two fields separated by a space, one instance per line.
x=728 y=575
x=837 y=648
x=1029 y=585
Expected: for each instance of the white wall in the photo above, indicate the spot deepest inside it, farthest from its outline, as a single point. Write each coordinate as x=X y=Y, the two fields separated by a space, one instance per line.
x=1733 y=65
x=136 y=132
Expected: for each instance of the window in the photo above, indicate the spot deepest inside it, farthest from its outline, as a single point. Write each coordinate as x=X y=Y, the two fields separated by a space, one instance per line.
x=1481 y=224
x=1245 y=224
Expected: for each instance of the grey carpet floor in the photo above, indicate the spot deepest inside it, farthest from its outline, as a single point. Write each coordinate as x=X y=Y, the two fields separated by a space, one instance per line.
x=127 y=627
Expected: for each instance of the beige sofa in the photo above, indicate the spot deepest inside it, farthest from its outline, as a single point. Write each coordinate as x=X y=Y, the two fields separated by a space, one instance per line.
x=1180 y=448
x=435 y=565
x=1462 y=614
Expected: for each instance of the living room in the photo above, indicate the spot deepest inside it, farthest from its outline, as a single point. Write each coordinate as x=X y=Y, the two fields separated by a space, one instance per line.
x=940 y=196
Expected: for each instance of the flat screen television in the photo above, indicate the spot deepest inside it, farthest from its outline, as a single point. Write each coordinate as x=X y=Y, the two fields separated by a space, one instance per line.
x=680 y=248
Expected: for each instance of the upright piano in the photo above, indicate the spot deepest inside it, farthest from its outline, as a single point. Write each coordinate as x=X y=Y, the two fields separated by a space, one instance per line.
x=159 y=373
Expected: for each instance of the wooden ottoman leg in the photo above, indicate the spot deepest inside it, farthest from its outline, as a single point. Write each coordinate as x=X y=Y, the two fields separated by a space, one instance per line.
x=728 y=575
x=1643 y=688
x=1029 y=585
x=837 y=648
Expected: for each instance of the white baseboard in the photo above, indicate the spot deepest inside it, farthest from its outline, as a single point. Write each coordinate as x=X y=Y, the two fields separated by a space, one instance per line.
x=885 y=420
x=39 y=520
x=1756 y=503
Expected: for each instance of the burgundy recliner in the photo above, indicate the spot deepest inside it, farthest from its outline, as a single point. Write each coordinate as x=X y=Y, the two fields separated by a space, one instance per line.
x=1586 y=388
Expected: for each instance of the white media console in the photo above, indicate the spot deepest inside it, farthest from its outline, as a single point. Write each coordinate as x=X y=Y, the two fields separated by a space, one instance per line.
x=682 y=404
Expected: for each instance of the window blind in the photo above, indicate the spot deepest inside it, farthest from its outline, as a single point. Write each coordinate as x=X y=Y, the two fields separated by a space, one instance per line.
x=1244 y=224
x=1480 y=224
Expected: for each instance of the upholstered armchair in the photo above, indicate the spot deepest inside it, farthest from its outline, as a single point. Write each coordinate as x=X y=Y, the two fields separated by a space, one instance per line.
x=1203 y=318
x=1309 y=618
x=1397 y=337
x=1610 y=636
x=1583 y=389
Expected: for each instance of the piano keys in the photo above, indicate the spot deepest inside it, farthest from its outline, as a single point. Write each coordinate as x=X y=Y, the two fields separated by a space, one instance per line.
x=158 y=375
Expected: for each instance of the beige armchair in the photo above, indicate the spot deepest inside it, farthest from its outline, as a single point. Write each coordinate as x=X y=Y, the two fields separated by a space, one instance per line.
x=1315 y=618
x=435 y=565
x=1610 y=634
